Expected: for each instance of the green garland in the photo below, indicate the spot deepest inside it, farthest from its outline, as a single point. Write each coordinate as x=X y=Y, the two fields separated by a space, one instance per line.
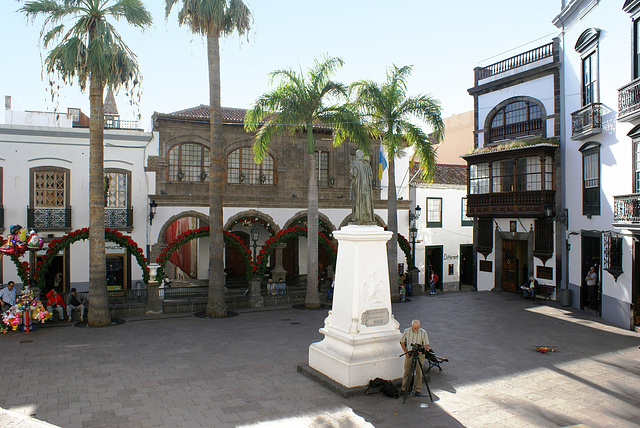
x=406 y=249
x=229 y=238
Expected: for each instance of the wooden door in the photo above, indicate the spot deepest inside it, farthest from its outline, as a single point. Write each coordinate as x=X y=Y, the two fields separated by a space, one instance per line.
x=510 y=267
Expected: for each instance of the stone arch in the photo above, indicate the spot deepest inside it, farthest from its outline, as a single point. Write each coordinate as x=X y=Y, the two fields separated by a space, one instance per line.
x=297 y=216
x=379 y=221
x=252 y=213
x=487 y=120
x=200 y=216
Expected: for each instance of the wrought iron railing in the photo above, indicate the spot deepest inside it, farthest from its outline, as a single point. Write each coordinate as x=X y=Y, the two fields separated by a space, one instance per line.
x=118 y=217
x=1 y=216
x=629 y=99
x=626 y=208
x=115 y=123
x=514 y=130
x=516 y=61
x=127 y=296
x=586 y=121
x=48 y=218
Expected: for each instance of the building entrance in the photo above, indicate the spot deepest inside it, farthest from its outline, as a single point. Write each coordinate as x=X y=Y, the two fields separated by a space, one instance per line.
x=514 y=264
x=591 y=250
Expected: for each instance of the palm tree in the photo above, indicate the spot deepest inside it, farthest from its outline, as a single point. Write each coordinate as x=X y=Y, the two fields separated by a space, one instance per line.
x=295 y=105
x=91 y=50
x=387 y=110
x=212 y=19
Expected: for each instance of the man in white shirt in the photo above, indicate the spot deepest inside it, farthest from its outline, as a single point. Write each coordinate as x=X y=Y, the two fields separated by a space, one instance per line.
x=8 y=296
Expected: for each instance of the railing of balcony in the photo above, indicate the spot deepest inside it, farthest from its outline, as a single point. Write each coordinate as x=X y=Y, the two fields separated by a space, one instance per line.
x=586 y=119
x=111 y=123
x=48 y=218
x=626 y=208
x=118 y=217
x=509 y=203
x=2 y=216
x=514 y=130
x=525 y=58
x=629 y=98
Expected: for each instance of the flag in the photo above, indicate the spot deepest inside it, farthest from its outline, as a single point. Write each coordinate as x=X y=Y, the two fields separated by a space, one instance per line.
x=382 y=162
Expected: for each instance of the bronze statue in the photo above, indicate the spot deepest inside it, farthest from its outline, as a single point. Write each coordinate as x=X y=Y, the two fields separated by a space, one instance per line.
x=361 y=194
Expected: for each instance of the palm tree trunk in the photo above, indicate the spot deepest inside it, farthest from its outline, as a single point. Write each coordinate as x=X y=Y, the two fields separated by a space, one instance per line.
x=392 y=226
x=312 y=299
x=216 y=305
x=98 y=314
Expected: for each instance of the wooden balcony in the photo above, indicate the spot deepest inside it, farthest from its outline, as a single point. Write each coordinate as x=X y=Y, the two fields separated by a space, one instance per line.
x=586 y=122
x=510 y=204
x=629 y=101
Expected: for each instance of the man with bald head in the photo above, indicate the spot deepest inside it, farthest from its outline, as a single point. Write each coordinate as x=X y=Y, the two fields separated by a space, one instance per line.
x=410 y=336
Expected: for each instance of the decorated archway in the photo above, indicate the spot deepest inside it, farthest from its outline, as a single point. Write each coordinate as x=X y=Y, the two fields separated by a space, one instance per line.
x=189 y=235
x=57 y=245
x=283 y=235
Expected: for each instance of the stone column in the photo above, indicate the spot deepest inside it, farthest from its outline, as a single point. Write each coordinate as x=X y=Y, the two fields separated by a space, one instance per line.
x=278 y=271
x=255 y=298
x=154 y=306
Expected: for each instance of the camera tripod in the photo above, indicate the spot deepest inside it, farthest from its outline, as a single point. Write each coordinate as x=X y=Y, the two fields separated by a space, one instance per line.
x=415 y=363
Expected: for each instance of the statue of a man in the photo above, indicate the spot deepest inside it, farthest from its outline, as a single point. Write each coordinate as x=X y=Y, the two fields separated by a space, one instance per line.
x=361 y=194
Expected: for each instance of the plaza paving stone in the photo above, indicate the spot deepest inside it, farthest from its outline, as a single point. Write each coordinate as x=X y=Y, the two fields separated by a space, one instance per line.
x=183 y=371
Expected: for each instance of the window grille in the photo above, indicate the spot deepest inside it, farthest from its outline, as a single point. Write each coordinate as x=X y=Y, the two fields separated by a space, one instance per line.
x=612 y=261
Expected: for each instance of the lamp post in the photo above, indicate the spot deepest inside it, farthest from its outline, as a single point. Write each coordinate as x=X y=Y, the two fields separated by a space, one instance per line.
x=152 y=211
x=413 y=234
x=255 y=234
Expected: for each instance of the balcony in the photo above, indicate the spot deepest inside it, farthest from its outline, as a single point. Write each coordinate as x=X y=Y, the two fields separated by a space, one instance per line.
x=626 y=210
x=118 y=218
x=629 y=101
x=537 y=54
x=1 y=217
x=48 y=218
x=586 y=122
x=510 y=204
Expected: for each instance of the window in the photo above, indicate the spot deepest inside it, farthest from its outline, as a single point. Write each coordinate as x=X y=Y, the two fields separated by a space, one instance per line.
x=116 y=191
x=636 y=166
x=485 y=235
x=49 y=199
x=591 y=179
x=241 y=168
x=548 y=173
x=516 y=119
x=50 y=187
x=322 y=168
x=528 y=175
x=466 y=221
x=479 y=178
x=434 y=212
x=636 y=48
x=503 y=176
x=612 y=261
x=589 y=79
x=188 y=162
x=587 y=47
x=543 y=239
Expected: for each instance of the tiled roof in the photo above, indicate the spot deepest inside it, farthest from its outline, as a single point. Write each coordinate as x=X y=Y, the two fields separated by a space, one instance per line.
x=229 y=115
x=446 y=174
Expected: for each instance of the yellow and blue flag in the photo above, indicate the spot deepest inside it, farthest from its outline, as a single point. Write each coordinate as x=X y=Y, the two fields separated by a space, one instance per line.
x=382 y=162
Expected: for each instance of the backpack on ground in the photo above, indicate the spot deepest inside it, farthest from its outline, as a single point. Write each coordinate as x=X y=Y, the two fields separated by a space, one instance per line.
x=390 y=390
x=375 y=386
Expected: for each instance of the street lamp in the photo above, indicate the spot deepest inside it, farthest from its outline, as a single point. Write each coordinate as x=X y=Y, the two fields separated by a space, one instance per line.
x=152 y=211
x=413 y=234
x=255 y=234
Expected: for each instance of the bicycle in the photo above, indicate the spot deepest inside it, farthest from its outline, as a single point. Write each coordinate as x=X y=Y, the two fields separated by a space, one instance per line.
x=415 y=352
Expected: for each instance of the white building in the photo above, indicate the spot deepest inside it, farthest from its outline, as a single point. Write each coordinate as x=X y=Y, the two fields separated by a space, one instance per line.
x=44 y=170
x=601 y=114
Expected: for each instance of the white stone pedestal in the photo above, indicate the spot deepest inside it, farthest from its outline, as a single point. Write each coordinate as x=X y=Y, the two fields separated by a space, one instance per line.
x=361 y=336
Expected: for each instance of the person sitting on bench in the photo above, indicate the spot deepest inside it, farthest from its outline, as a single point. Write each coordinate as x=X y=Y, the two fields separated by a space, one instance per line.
x=529 y=289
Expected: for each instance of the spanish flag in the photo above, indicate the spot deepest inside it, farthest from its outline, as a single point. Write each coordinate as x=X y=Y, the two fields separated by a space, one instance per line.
x=382 y=162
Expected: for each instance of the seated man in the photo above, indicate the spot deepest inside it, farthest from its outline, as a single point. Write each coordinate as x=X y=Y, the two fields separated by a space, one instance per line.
x=7 y=296
x=529 y=289
x=75 y=301
x=281 y=286
x=54 y=301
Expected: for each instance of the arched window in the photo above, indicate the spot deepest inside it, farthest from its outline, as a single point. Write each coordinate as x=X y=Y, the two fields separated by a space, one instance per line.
x=188 y=162
x=515 y=120
x=241 y=169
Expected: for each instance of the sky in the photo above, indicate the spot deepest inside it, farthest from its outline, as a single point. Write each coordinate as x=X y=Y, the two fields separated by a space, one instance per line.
x=442 y=40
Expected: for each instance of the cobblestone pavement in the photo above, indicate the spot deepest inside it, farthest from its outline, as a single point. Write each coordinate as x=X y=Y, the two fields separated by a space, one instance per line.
x=185 y=371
